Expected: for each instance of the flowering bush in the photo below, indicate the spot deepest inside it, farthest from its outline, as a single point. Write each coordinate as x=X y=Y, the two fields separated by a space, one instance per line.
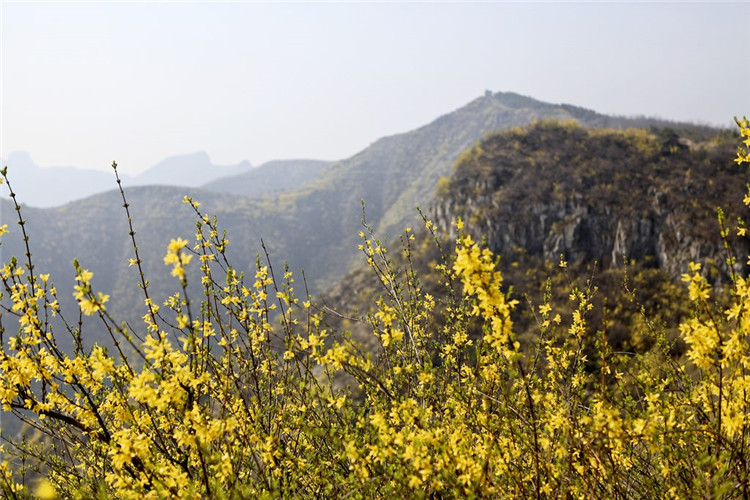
x=212 y=398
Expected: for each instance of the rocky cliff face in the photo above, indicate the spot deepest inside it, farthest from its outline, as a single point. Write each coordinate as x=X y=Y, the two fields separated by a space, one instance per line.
x=555 y=189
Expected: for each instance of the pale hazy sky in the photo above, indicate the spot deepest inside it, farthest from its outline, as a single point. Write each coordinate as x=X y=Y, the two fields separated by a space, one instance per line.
x=86 y=83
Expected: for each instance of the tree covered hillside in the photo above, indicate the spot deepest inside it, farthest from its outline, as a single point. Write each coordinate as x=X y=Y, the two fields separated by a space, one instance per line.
x=627 y=210
x=596 y=194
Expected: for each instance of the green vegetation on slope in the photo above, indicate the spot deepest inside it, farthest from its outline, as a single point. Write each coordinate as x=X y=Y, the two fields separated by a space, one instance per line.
x=605 y=195
x=628 y=209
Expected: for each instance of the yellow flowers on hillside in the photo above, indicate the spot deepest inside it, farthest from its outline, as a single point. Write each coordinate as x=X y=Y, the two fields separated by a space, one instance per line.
x=248 y=393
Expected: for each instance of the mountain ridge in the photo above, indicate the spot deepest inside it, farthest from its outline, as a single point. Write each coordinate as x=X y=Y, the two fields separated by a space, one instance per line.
x=314 y=227
x=65 y=184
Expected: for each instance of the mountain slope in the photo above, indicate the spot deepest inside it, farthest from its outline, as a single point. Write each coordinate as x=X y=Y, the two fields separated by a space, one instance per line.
x=398 y=173
x=272 y=177
x=95 y=232
x=596 y=195
x=618 y=205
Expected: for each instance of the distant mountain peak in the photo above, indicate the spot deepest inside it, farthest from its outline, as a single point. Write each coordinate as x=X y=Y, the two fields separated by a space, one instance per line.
x=61 y=184
x=22 y=157
x=188 y=170
x=195 y=156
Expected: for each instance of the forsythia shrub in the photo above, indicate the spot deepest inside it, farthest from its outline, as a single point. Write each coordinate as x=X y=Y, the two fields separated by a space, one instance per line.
x=209 y=399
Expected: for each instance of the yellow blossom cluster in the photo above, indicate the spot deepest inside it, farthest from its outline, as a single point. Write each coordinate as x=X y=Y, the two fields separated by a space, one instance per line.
x=177 y=258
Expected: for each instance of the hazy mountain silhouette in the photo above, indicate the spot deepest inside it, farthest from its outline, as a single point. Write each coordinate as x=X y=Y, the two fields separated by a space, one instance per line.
x=54 y=186
x=190 y=170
